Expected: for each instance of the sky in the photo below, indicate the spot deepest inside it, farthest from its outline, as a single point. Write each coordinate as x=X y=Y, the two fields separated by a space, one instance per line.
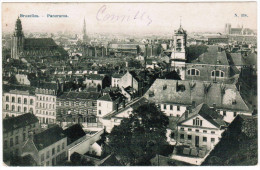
x=129 y=18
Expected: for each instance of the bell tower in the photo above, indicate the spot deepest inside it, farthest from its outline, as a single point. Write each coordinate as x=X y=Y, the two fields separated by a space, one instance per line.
x=17 y=40
x=178 y=56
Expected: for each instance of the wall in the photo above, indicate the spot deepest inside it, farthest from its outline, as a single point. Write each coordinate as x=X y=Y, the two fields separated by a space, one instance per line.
x=84 y=146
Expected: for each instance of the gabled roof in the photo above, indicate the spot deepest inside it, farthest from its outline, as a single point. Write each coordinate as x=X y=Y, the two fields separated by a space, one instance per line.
x=10 y=124
x=184 y=92
x=237 y=59
x=111 y=96
x=74 y=133
x=207 y=113
x=212 y=56
x=116 y=75
x=48 y=137
x=39 y=42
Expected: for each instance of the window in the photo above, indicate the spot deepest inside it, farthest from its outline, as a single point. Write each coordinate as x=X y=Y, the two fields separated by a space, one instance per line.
x=42 y=157
x=7 y=98
x=204 y=139
x=62 y=146
x=25 y=109
x=47 y=154
x=171 y=107
x=212 y=132
x=212 y=140
x=31 y=101
x=53 y=151
x=197 y=122
x=25 y=101
x=217 y=73
x=193 y=72
x=182 y=136
x=13 y=108
x=43 y=98
x=11 y=142
x=46 y=98
x=189 y=129
x=16 y=140
x=58 y=148
x=182 y=129
x=189 y=137
x=99 y=112
x=235 y=114
x=5 y=144
x=7 y=107
x=197 y=130
x=99 y=104
x=19 y=109
x=224 y=113
x=164 y=106
x=47 y=163
x=19 y=99
x=178 y=108
x=204 y=131
x=13 y=99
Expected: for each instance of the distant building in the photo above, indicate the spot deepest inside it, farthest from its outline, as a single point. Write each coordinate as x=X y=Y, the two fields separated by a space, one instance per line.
x=115 y=78
x=218 y=40
x=15 y=132
x=22 y=79
x=97 y=80
x=21 y=46
x=47 y=148
x=131 y=79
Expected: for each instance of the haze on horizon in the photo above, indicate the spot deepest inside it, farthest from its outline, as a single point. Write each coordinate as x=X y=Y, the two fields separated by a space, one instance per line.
x=157 y=18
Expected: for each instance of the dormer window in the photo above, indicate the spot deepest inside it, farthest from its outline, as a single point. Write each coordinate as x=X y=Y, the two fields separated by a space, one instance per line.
x=197 y=122
x=164 y=87
x=217 y=73
x=151 y=94
x=234 y=102
x=193 y=72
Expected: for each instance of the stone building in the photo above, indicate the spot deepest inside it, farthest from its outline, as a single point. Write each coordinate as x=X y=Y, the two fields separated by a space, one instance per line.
x=15 y=132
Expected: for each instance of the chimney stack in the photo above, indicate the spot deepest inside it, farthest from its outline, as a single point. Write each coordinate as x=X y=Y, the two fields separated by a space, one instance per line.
x=124 y=103
x=30 y=135
x=186 y=114
x=116 y=107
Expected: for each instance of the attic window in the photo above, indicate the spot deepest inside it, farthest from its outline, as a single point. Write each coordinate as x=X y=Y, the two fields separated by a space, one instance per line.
x=234 y=102
x=164 y=87
x=151 y=94
x=181 y=87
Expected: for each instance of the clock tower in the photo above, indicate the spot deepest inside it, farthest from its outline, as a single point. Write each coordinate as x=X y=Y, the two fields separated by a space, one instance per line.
x=178 y=56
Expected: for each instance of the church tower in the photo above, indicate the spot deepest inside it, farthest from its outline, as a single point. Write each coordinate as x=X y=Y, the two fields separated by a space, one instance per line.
x=17 y=40
x=178 y=56
x=85 y=37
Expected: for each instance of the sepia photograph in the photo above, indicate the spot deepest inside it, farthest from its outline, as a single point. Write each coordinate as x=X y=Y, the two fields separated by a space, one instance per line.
x=129 y=84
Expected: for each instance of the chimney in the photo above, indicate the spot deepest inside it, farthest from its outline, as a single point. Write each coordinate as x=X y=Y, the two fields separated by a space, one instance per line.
x=116 y=107
x=30 y=136
x=124 y=103
x=186 y=114
x=193 y=104
x=62 y=87
x=214 y=106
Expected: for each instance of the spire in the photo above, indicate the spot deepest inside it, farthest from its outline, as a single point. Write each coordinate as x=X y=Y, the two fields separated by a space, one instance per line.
x=84 y=27
x=18 y=28
x=180 y=21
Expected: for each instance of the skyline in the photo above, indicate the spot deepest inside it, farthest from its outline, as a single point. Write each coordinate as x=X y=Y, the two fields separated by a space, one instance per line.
x=129 y=18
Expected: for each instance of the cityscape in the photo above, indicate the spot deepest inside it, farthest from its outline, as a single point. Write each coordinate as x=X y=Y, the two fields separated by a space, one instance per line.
x=129 y=84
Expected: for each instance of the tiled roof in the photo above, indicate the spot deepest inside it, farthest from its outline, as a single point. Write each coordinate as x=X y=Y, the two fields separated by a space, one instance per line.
x=74 y=133
x=111 y=96
x=212 y=56
x=47 y=85
x=23 y=120
x=80 y=95
x=116 y=75
x=183 y=92
x=207 y=113
x=48 y=137
x=8 y=88
x=237 y=59
x=95 y=77
x=134 y=104
x=39 y=42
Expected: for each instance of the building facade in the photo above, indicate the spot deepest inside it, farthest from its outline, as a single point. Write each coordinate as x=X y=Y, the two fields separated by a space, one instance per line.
x=17 y=102
x=15 y=134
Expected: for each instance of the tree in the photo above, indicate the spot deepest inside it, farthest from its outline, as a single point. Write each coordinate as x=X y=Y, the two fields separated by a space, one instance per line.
x=139 y=138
